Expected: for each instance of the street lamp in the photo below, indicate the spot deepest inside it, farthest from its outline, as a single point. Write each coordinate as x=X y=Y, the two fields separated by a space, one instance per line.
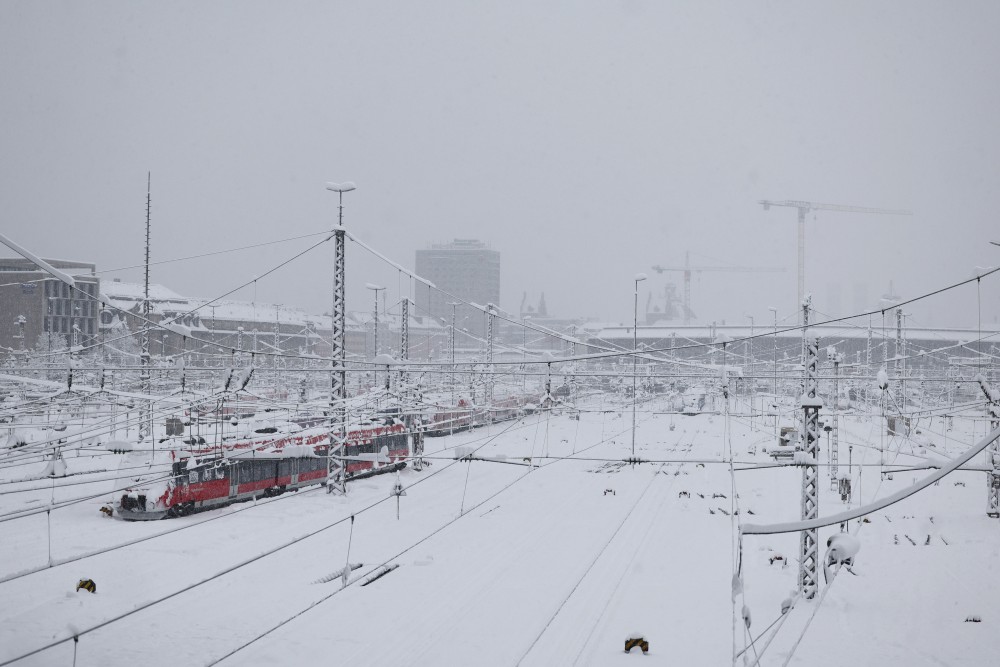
x=639 y=277
x=340 y=189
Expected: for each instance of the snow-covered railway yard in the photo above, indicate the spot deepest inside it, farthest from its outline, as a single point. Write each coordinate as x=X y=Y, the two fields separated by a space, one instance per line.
x=555 y=554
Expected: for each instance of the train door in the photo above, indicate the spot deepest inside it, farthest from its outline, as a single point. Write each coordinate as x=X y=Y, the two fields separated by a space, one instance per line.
x=234 y=479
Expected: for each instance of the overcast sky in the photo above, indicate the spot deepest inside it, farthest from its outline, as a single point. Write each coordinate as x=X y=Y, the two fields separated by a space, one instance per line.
x=586 y=141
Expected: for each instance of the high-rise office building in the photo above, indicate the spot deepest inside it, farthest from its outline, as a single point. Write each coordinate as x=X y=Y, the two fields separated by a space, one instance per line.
x=465 y=268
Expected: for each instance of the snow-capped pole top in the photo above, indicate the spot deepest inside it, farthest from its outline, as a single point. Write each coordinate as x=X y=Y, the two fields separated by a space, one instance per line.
x=882 y=380
x=810 y=401
x=346 y=186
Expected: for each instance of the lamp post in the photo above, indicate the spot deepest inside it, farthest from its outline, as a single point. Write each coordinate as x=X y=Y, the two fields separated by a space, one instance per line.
x=639 y=277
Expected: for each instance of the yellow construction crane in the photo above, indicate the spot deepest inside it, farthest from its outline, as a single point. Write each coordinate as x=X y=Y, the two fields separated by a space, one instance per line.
x=804 y=207
x=687 y=269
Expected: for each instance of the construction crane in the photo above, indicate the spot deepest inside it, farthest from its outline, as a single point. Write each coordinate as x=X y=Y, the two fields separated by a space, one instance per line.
x=804 y=207
x=687 y=269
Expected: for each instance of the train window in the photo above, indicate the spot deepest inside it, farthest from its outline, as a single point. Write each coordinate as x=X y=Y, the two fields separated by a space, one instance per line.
x=193 y=476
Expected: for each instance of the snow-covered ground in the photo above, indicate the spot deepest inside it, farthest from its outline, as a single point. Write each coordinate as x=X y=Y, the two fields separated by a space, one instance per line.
x=508 y=563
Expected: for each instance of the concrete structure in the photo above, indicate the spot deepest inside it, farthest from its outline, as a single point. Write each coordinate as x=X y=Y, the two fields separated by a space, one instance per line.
x=215 y=327
x=465 y=268
x=947 y=359
x=47 y=305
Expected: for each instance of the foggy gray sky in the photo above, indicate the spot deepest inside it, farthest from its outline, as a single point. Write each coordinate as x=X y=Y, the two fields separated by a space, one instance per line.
x=585 y=141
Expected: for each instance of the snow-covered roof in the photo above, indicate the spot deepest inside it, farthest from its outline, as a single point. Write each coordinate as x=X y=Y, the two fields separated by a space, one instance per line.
x=135 y=291
x=242 y=311
x=364 y=318
x=822 y=331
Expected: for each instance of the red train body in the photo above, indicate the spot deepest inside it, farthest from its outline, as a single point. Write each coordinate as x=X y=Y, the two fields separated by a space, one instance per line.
x=466 y=415
x=201 y=478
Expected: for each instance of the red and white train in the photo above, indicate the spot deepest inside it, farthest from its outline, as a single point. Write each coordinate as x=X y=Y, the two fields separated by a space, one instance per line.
x=466 y=415
x=201 y=478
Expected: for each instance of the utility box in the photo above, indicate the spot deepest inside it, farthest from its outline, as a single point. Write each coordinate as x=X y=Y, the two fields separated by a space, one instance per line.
x=844 y=486
x=175 y=426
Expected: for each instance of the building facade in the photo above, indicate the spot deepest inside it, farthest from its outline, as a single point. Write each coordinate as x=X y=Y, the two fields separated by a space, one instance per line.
x=465 y=268
x=34 y=304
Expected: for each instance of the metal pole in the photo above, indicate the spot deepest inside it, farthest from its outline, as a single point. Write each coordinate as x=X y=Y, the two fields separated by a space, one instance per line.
x=453 y=306
x=802 y=254
x=146 y=423
x=490 y=316
x=375 y=289
x=900 y=399
x=775 y=362
x=336 y=481
x=635 y=357
x=750 y=386
x=404 y=331
x=239 y=346
x=524 y=356
x=868 y=357
x=808 y=550
x=277 y=341
x=992 y=452
x=21 y=320
x=902 y=360
x=834 y=447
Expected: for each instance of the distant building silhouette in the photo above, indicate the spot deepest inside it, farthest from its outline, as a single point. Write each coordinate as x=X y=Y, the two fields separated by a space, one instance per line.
x=465 y=268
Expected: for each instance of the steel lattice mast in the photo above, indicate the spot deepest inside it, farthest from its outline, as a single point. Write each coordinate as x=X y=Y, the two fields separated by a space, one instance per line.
x=404 y=330
x=146 y=423
x=837 y=357
x=415 y=439
x=277 y=341
x=808 y=549
x=993 y=451
x=336 y=475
